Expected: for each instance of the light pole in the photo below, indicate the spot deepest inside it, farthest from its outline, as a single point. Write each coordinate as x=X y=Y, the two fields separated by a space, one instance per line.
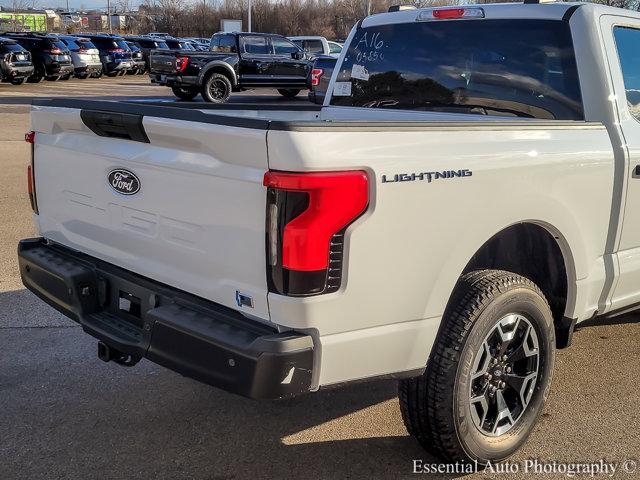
x=249 y=16
x=109 y=14
x=204 y=18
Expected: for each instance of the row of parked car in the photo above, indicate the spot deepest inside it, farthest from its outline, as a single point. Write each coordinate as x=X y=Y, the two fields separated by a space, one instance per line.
x=33 y=57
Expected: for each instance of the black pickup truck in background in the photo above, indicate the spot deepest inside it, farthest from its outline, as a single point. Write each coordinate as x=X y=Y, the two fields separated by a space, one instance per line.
x=236 y=61
x=321 y=71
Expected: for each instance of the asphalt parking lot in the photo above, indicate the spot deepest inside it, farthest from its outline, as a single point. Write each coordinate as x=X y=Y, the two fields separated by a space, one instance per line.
x=66 y=414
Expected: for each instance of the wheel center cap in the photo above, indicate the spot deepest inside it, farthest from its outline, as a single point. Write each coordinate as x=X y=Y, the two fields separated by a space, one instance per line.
x=497 y=372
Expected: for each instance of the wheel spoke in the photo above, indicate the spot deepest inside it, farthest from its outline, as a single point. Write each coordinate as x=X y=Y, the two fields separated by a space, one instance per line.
x=482 y=361
x=483 y=402
x=503 y=413
x=523 y=350
x=523 y=385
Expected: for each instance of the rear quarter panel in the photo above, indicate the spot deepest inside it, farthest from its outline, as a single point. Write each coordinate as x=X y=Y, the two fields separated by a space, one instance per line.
x=405 y=255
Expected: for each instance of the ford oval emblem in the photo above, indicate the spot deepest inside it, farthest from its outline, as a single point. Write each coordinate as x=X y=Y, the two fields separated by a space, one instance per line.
x=123 y=181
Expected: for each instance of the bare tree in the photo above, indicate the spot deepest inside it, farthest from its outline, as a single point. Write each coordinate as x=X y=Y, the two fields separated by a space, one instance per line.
x=330 y=18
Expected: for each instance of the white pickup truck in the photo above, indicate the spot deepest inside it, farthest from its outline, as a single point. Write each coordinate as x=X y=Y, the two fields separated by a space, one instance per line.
x=468 y=192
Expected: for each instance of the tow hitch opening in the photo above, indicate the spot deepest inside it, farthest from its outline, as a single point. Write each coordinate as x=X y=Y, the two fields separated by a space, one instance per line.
x=107 y=354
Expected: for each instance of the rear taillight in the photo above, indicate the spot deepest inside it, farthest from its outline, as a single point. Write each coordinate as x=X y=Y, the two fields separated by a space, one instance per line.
x=316 y=73
x=116 y=50
x=181 y=63
x=307 y=215
x=83 y=50
x=30 y=137
x=54 y=51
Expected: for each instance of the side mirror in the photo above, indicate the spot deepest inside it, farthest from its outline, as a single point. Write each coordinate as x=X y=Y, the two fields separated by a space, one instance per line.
x=297 y=55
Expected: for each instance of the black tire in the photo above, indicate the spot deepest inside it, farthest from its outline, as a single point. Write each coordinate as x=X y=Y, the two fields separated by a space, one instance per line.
x=111 y=74
x=288 y=92
x=82 y=76
x=97 y=74
x=437 y=407
x=18 y=81
x=53 y=78
x=185 y=93
x=216 y=88
x=65 y=77
x=38 y=74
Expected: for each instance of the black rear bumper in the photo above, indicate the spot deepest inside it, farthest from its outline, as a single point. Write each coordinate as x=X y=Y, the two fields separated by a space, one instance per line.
x=142 y=318
x=172 y=80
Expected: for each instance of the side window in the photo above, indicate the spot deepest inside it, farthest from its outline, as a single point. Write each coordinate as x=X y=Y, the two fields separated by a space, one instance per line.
x=256 y=45
x=313 y=46
x=627 y=41
x=71 y=44
x=334 y=48
x=283 y=47
x=224 y=44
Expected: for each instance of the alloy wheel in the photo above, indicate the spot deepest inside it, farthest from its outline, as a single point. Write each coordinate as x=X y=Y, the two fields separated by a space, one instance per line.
x=504 y=375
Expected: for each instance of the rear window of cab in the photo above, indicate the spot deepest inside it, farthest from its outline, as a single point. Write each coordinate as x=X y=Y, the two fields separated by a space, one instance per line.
x=7 y=47
x=519 y=68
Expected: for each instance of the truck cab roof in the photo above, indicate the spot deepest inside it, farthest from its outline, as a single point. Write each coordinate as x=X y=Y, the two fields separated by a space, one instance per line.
x=546 y=11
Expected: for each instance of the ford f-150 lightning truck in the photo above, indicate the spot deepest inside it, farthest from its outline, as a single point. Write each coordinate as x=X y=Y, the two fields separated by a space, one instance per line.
x=468 y=192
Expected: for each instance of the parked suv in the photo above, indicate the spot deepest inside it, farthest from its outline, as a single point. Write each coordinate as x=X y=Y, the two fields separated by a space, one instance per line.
x=236 y=61
x=51 y=57
x=137 y=57
x=146 y=44
x=15 y=62
x=178 y=44
x=85 y=56
x=115 y=54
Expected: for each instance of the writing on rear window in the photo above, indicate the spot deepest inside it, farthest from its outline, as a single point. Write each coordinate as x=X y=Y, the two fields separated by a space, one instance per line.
x=464 y=66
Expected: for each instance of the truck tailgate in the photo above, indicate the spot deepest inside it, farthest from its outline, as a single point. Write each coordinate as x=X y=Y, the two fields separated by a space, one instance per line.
x=163 y=61
x=195 y=217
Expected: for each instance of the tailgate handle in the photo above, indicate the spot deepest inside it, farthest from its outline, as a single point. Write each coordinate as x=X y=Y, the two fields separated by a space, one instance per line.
x=116 y=125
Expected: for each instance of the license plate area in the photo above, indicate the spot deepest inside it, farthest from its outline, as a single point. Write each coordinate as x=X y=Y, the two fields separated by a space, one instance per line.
x=128 y=301
x=129 y=304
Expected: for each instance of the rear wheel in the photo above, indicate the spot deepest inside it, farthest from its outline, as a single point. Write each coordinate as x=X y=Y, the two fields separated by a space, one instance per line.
x=489 y=373
x=82 y=76
x=18 y=81
x=288 y=92
x=216 y=88
x=185 y=93
x=53 y=78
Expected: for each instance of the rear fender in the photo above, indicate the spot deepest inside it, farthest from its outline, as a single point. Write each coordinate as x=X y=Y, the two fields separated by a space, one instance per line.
x=219 y=65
